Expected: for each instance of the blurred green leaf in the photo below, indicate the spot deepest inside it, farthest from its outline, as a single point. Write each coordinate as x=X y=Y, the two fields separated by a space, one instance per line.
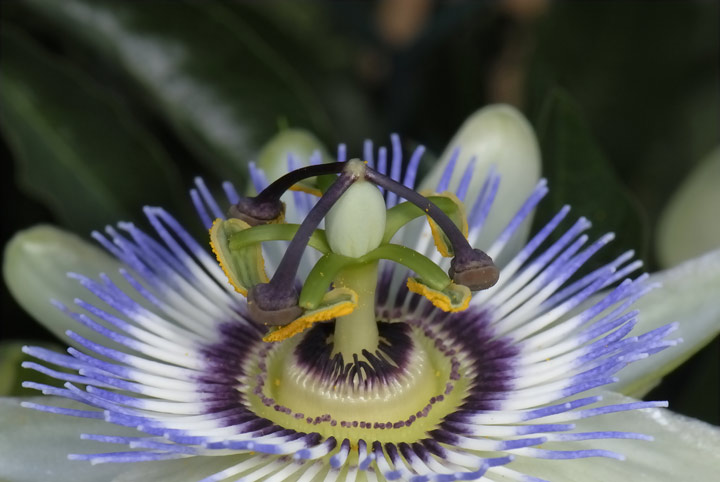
x=309 y=24
x=77 y=148
x=579 y=175
x=325 y=53
x=646 y=80
x=221 y=86
x=12 y=374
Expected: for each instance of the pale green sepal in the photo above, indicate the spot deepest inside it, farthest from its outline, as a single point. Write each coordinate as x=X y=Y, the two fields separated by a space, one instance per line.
x=34 y=445
x=496 y=135
x=683 y=450
x=642 y=388
x=35 y=266
x=688 y=226
x=690 y=296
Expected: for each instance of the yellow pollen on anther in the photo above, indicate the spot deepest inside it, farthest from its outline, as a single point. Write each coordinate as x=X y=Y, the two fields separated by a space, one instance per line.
x=458 y=217
x=440 y=299
x=238 y=288
x=218 y=243
x=315 y=316
x=306 y=189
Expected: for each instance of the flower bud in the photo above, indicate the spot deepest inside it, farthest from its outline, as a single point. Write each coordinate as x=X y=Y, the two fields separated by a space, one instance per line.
x=301 y=144
x=499 y=136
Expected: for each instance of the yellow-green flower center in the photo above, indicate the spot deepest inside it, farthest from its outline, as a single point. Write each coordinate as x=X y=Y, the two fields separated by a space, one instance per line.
x=400 y=405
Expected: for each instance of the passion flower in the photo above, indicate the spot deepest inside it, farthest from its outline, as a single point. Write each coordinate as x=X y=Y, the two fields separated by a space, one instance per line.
x=372 y=340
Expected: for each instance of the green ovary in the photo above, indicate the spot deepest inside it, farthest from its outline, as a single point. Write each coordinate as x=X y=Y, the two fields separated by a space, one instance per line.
x=292 y=386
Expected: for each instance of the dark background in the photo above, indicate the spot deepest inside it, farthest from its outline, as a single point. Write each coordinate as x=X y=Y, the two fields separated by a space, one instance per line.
x=119 y=103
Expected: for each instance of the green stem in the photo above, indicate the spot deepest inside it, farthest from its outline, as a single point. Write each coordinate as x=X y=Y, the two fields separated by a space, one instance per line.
x=331 y=265
x=432 y=274
x=276 y=232
x=321 y=277
x=358 y=331
x=398 y=216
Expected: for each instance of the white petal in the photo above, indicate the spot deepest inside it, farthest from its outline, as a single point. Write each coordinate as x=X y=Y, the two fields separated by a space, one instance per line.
x=496 y=135
x=688 y=226
x=690 y=296
x=684 y=450
x=35 y=265
x=181 y=470
x=34 y=445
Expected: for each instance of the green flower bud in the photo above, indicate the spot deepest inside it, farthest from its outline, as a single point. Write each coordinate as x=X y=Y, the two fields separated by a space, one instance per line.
x=273 y=158
x=500 y=136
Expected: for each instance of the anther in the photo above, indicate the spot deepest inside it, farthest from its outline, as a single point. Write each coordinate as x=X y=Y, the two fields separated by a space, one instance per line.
x=475 y=270
x=469 y=267
x=266 y=207
x=256 y=212
x=275 y=303
x=270 y=308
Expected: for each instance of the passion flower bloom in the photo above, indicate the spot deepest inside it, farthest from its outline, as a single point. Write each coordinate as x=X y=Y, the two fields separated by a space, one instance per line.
x=385 y=346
